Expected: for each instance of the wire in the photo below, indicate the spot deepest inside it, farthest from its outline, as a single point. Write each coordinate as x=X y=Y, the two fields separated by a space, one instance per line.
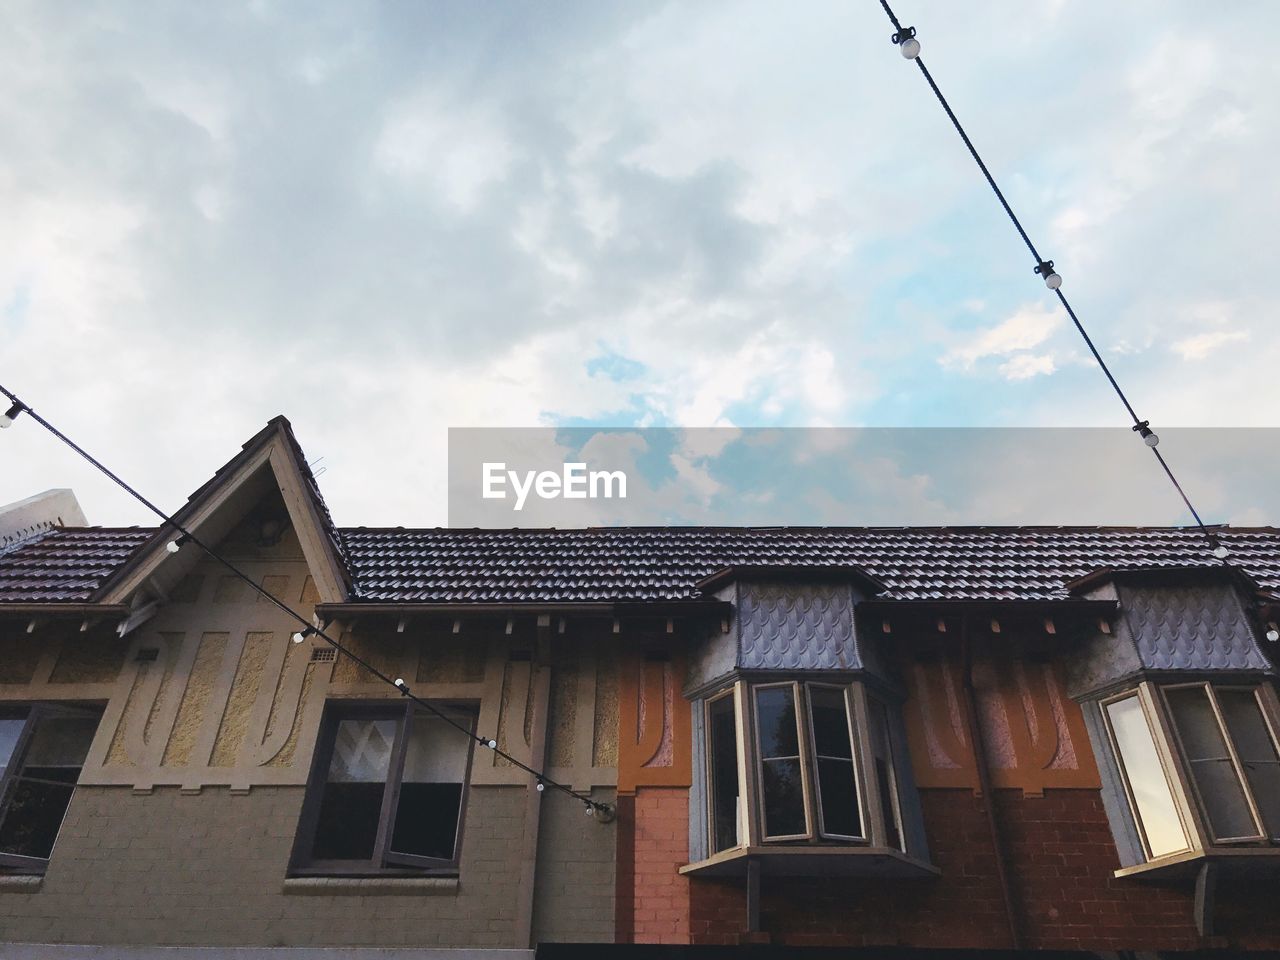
x=1040 y=261
x=308 y=629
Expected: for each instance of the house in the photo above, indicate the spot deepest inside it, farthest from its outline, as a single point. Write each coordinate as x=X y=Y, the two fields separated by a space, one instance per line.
x=1006 y=739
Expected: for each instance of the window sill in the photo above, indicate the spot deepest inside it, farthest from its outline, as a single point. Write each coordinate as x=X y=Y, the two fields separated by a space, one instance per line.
x=813 y=861
x=21 y=882
x=371 y=886
x=1245 y=861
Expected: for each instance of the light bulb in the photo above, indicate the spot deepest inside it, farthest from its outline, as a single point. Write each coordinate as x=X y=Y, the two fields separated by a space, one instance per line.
x=1273 y=634
x=11 y=415
x=910 y=48
x=491 y=744
x=1053 y=281
x=1221 y=552
x=1151 y=439
x=1143 y=429
x=173 y=546
x=541 y=786
x=299 y=636
x=401 y=685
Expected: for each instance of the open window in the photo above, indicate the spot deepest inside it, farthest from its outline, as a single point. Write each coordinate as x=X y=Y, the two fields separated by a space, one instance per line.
x=42 y=750
x=1200 y=765
x=387 y=791
x=804 y=768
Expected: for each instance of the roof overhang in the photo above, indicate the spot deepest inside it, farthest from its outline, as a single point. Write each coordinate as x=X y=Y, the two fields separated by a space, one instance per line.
x=630 y=608
x=76 y=610
x=791 y=573
x=1170 y=575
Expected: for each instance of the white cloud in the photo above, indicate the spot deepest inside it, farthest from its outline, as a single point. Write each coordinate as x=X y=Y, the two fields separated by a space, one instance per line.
x=1030 y=326
x=1200 y=345
x=1024 y=366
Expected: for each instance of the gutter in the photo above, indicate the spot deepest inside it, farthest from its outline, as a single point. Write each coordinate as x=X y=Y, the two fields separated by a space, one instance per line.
x=65 y=609
x=689 y=608
x=983 y=763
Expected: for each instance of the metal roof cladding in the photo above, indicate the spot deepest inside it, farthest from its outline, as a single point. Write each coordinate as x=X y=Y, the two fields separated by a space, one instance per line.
x=610 y=564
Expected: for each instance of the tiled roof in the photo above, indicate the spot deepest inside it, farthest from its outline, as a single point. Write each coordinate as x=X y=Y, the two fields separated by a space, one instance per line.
x=630 y=563
x=66 y=564
x=620 y=563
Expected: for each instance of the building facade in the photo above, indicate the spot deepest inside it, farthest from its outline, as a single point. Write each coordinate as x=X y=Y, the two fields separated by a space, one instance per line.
x=1007 y=739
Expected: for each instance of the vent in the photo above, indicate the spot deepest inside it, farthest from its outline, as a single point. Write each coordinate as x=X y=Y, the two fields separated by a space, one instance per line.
x=147 y=655
x=323 y=655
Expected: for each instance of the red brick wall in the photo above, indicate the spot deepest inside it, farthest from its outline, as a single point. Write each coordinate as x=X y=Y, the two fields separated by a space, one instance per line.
x=661 y=894
x=1061 y=858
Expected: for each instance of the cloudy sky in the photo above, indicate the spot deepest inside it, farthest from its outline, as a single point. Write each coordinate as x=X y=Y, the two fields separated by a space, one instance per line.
x=385 y=220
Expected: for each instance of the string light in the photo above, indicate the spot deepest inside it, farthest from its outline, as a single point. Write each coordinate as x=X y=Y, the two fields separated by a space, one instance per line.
x=1045 y=269
x=1051 y=278
x=11 y=415
x=907 y=42
x=604 y=810
x=1148 y=435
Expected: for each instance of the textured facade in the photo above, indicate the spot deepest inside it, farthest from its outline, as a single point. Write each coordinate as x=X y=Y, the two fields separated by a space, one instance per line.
x=857 y=738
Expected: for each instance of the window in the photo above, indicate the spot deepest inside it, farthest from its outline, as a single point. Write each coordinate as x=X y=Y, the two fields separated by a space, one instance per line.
x=812 y=750
x=1148 y=786
x=726 y=801
x=1231 y=756
x=42 y=749
x=386 y=792
x=1213 y=779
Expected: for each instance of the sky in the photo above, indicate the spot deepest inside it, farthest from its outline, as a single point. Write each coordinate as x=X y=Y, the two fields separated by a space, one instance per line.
x=387 y=220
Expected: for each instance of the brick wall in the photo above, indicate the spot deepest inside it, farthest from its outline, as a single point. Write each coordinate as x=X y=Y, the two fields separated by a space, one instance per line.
x=661 y=905
x=1061 y=862
x=208 y=869
x=574 y=888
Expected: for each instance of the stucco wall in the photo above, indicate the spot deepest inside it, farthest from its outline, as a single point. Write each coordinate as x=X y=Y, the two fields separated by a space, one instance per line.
x=168 y=868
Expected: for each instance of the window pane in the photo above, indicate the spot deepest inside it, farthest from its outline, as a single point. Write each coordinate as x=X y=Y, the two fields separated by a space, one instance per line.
x=1256 y=750
x=833 y=748
x=1219 y=786
x=783 y=798
x=435 y=765
x=10 y=731
x=830 y=723
x=886 y=778
x=42 y=788
x=33 y=817
x=723 y=761
x=780 y=771
x=351 y=802
x=776 y=720
x=1147 y=781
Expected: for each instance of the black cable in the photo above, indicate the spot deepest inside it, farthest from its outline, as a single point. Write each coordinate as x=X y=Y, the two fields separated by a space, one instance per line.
x=308 y=629
x=1139 y=424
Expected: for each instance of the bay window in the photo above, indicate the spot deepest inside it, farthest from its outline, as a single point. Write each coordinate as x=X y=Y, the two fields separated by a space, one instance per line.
x=796 y=764
x=1200 y=765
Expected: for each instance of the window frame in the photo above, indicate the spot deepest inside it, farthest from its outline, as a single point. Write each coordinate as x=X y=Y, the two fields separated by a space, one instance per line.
x=1159 y=740
x=803 y=757
x=1261 y=838
x=14 y=863
x=741 y=833
x=1188 y=800
x=859 y=777
x=383 y=862
x=873 y=811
